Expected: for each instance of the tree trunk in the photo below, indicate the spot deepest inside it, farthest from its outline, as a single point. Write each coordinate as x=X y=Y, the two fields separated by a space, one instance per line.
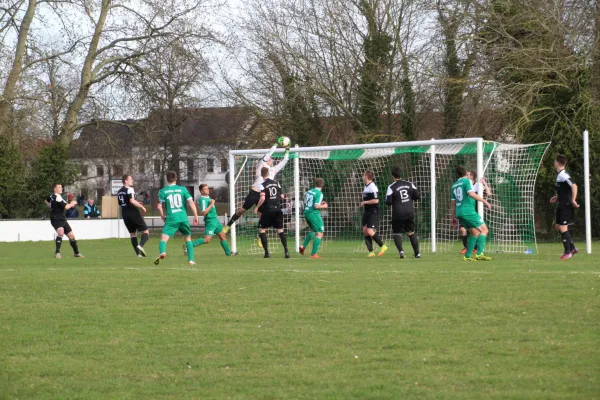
x=15 y=72
x=87 y=76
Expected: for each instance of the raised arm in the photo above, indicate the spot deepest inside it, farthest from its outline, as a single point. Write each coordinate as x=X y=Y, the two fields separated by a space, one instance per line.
x=283 y=162
x=265 y=158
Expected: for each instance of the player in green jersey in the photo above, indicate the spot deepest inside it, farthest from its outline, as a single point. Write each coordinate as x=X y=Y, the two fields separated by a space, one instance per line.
x=463 y=208
x=176 y=219
x=313 y=203
x=212 y=226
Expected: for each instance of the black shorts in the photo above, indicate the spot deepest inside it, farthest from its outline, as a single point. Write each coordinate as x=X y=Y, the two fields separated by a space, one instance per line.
x=404 y=225
x=134 y=222
x=61 y=223
x=271 y=219
x=371 y=221
x=251 y=199
x=565 y=215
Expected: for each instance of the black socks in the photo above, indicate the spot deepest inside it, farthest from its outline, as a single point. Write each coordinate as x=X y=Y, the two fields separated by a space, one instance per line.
x=283 y=241
x=369 y=242
x=134 y=243
x=73 y=244
x=263 y=240
x=145 y=238
x=58 y=243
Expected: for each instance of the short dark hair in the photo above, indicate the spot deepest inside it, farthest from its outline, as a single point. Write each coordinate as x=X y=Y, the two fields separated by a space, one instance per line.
x=264 y=172
x=461 y=171
x=397 y=172
x=474 y=173
x=54 y=185
x=319 y=182
x=561 y=159
x=125 y=177
x=171 y=176
x=202 y=186
x=370 y=174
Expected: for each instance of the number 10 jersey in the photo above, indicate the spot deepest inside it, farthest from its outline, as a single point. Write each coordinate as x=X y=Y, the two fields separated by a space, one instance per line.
x=175 y=197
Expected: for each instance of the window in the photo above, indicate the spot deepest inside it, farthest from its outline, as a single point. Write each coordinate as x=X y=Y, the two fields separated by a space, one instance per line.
x=99 y=194
x=84 y=170
x=190 y=169
x=224 y=165
x=117 y=170
x=99 y=170
x=141 y=166
x=157 y=166
x=210 y=165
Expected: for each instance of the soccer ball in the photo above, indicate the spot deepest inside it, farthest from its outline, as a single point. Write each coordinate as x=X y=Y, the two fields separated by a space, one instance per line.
x=284 y=141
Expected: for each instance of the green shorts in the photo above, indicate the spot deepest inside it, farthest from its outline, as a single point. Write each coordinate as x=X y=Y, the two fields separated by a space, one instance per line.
x=471 y=220
x=212 y=227
x=171 y=228
x=315 y=222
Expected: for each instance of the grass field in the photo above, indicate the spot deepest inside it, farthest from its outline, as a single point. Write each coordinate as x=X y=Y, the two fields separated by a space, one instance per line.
x=112 y=326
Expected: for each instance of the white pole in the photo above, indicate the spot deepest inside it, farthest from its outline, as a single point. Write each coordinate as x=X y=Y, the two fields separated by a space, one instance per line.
x=297 y=198
x=232 y=199
x=586 y=184
x=480 y=174
x=432 y=189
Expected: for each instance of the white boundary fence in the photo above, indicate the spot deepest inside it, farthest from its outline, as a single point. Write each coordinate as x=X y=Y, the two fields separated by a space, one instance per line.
x=84 y=229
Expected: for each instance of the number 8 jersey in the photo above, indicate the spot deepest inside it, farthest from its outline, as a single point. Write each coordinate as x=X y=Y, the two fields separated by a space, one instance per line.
x=175 y=197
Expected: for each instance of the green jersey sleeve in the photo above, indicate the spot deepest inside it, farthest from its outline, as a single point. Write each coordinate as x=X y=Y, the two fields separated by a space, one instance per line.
x=319 y=197
x=186 y=195
x=161 y=196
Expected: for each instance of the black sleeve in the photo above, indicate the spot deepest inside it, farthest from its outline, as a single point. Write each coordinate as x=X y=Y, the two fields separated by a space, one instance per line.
x=416 y=193
x=49 y=199
x=389 y=199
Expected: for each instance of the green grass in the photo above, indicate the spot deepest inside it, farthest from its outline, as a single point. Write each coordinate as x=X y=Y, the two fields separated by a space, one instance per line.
x=112 y=326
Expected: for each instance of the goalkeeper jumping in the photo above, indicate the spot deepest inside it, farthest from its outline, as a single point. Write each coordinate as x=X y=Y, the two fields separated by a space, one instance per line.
x=253 y=195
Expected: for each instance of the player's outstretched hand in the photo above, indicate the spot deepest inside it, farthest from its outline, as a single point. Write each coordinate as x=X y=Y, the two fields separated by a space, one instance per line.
x=454 y=223
x=324 y=204
x=553 y=199
x=143 y=210
x=255 y=210
x=575 y=204
x=488 y=205
x=195 y=220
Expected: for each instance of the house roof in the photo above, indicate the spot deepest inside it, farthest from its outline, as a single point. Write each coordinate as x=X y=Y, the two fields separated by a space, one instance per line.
x=187 y=126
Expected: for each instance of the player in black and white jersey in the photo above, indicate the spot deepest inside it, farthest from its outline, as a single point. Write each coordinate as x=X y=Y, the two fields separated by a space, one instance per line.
x=370 y=221
x=566 y=197
x=487 y=192
x=253 y=195
x=58 y=206
x=269 y=205
x=130 y=210
x=400 y=196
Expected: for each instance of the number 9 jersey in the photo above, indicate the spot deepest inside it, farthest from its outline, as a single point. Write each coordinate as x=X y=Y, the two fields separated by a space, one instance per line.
x=465 y=204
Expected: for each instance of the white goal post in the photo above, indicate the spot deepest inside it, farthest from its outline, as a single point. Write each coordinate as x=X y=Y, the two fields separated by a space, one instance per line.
x=510 y=169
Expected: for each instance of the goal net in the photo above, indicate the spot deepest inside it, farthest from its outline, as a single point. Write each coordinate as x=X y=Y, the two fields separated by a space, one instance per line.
x=509 y=169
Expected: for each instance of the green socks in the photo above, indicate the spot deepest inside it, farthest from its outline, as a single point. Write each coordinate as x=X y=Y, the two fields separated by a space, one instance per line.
x=316 y=245
x=198 y=242
x=308 y=238
x=162 y=247
x=481 y=239
x=470 y=246
x=190 y=249
x=225 y=247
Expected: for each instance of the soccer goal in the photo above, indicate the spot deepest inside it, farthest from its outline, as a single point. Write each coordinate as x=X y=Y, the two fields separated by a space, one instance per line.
x=510 y=170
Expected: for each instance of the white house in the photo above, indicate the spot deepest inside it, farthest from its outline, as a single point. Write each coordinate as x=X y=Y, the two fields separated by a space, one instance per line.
x=198 y=140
